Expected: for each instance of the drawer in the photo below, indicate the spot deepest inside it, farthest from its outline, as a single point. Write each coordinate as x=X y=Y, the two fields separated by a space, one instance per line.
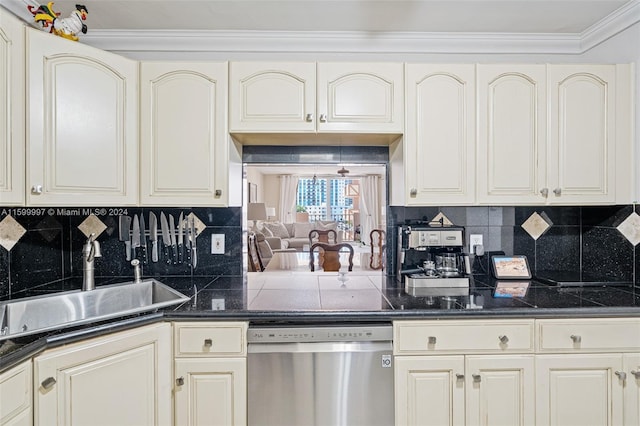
x=15 y=392
x=593 y=334
x=208 y=339
x=500 y=336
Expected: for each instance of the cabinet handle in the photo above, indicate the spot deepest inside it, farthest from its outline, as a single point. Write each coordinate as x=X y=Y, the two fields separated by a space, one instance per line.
x=180 y=381
x=323 y=118
x=503 y=339
x=576 y=338
x=476 y=378
x=309 y=117
x=636 y=374
x=218 y=193
x=208 y=343
x=432 y=340
x=459 y=376
x=557 y=191
x=413 y=192
x=544 y=192
x=48 y=383
x=36 y=189
x=621 y=375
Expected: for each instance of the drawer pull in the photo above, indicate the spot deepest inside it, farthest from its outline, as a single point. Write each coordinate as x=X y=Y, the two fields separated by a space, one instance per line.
x=208 y=343
x=503 y=339
x=180 y=381
x=48 y=383
x=476 y=378
x=459 y=376
x=636 y=374
x=309 y=117
x=576 y=338
x=621 y=375
x=432 y=340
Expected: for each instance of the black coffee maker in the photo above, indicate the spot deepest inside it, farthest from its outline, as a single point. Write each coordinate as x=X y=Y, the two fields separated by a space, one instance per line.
x=432 y=256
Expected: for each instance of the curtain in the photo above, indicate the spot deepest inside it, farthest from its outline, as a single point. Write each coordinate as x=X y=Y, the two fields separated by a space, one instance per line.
x=288 y=194
x=369 y=206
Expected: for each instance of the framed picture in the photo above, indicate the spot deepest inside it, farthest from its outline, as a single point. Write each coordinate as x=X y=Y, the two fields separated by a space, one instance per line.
x=253 y=192
x=505 y=267
x=511 y=289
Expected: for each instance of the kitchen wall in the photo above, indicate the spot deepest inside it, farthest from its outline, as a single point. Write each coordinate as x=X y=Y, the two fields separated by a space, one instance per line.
x=41 y=246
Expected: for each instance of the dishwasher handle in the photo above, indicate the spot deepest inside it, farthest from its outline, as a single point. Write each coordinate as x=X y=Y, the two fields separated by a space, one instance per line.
x=310 y=347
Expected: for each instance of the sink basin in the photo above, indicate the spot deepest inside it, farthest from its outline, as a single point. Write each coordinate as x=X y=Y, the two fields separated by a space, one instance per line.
x=41 y=313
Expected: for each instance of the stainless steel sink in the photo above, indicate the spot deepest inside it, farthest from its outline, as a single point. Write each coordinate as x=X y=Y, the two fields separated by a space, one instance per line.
x=41 y=313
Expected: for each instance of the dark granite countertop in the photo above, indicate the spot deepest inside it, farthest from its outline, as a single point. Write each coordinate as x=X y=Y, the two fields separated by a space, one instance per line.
x=291 y=298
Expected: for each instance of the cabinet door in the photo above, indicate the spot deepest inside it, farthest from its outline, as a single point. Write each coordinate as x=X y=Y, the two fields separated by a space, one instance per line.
x=500 y=390
x=579 y=390
x=440 y=134
x=83 y=124
x=16 y=394
x=511 y=134
x=360 y=97
x=184 y=142
x=582 y=138
x=211 y=391
x=632 y=389
x=429 y=390
x=120 y=379
x=12 y=124
x=272 y=97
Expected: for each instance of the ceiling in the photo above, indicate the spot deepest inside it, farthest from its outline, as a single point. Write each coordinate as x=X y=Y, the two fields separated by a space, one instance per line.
x=371 y=16
x=319 y=170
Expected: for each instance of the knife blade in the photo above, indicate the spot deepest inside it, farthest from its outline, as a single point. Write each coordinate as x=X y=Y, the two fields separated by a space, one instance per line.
x=194 y=256
x=135 y=236
x=181 y=238
x=143 y=238
x=125 y=224
x=153 y=236
x=172 y=234
x=166 y=240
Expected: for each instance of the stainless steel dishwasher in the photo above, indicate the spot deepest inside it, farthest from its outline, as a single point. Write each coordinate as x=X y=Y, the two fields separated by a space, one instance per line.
x=320 y=375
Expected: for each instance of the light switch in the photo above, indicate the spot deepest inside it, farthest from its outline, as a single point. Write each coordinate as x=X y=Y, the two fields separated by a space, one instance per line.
x=217 y=244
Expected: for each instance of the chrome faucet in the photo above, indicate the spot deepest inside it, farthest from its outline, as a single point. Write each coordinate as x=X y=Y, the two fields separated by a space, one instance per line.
x=90 y=251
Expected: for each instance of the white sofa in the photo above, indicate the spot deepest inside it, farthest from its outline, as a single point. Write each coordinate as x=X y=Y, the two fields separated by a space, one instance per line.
x=292 y=235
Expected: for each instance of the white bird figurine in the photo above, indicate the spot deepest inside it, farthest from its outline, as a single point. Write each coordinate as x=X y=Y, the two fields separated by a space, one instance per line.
x=64 y=27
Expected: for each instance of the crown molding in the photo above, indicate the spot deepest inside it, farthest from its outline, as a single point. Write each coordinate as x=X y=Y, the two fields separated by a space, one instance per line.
x=615 y=23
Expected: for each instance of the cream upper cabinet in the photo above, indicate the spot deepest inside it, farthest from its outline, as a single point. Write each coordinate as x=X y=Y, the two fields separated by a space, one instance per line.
x=511 y=158
x=119 y=379
x=83 y=124
x=299 y=97
x=581 y=158
x=272 y=96
x=184 y=141
x=439 y=141
x=12 y=123
x=360 y=97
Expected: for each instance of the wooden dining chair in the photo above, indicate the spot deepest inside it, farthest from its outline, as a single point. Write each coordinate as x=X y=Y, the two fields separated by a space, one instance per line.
x=376 y=239
x=255 y=262
x=331 y=256
x=329 y=236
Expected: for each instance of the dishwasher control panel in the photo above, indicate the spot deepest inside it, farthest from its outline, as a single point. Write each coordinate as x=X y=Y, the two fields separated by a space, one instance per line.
x=320 y=334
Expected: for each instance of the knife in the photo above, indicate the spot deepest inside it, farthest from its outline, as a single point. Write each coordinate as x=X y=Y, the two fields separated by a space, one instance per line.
x=172 y=234
x=125 y=223
x=166 y=240
x=135 y=236
x=143 y=238
x=194 y=256
x=180 y=238
x=153 y=236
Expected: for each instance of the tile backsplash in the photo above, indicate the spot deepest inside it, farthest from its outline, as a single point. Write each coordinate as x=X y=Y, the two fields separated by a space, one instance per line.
x=42 y=245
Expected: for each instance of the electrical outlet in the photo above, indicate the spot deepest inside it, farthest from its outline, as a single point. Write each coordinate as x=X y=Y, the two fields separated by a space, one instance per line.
x=474 y=240
x=217 y=244
x=217 y=304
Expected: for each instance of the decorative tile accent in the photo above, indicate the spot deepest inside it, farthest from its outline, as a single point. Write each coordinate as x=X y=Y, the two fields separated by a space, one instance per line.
x=198 y=224
x=49 y=228
x=630 y=228
x=441 y=216
x=92 y=225
x=10 y=232
x=536 y=225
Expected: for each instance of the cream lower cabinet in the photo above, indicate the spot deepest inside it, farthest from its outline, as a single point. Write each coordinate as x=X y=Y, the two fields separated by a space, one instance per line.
x=464 y=372
x=12 y=121
x=184 y=140
x=119 y=379
x=210 y=373
x=16 y=396
x=83 y=124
